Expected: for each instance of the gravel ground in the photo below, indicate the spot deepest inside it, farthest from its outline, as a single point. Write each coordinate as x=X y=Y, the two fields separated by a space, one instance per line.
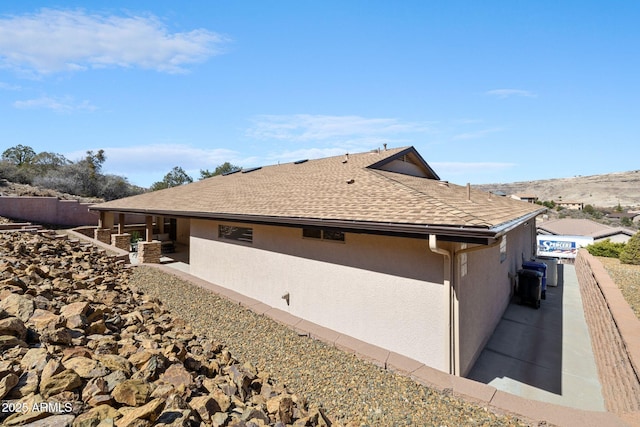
x=347 y=387
x=627 y=277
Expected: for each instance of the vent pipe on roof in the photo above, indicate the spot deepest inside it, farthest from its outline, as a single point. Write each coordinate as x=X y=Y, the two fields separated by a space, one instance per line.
x=346 y=158
x=385 y=146
x=468 y=191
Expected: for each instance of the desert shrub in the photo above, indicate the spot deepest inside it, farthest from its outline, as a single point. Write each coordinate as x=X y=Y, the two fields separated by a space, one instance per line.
x=631 y=253
x=71 y=179
x=113 y=187
x=13 y=173
x=606 y=248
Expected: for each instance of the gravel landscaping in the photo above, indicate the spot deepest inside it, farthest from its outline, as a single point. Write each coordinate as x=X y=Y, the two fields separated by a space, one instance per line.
x=627 y=277
x=351 y=390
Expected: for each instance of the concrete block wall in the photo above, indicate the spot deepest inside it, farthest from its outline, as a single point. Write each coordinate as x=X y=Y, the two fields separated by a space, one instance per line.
x=47 y=210
x=615 y=335
x=51 y=210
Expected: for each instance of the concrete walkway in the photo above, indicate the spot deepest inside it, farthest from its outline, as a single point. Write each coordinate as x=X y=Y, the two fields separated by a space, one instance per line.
x=545 y=354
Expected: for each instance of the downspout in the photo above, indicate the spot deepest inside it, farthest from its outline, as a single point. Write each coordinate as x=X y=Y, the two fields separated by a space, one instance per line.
x=455 y=301
x=451 y=300
x=449 y=347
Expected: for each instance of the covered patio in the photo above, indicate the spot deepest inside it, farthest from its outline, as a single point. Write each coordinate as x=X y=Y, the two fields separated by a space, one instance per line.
x=148 y=239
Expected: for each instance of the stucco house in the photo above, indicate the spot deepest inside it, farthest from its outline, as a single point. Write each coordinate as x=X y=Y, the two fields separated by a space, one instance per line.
x=529 y=198
x=576 y=206
x=373 y=245
x=585 y=227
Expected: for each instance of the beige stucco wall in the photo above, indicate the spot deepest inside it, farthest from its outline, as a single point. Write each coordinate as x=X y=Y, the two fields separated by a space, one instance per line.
x=486 y=289
x=387 y=291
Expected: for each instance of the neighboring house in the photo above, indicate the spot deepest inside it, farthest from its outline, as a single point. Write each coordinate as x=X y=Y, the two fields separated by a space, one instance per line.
x=577 y=206
x=372 y=245
x=632 y=215
x=529 y=198
x=584 y=227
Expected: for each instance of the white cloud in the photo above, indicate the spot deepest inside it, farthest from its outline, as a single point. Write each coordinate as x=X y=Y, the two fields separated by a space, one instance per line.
x=506 y=93
x=145 y=164
x=70 y=40
x=59 y=105
x=8 y=86
x=321 y=128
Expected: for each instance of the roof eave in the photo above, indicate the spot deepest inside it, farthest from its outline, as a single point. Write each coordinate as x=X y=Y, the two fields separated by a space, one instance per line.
x=458 y=231
x=504 y=228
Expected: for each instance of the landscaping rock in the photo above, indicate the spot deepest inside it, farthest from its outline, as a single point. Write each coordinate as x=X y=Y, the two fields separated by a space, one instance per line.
x=8 y=381
x=13 y=326
x=87 y=349
x=66 y=380
x=132 y=392
x=17 y=305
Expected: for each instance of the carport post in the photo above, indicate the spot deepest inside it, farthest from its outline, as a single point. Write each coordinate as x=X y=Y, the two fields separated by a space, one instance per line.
x=121 y=223
x=149 y=228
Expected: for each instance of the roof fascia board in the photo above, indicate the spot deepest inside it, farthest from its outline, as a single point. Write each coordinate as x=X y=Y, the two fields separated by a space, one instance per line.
x=503 y=229
x=351 y=225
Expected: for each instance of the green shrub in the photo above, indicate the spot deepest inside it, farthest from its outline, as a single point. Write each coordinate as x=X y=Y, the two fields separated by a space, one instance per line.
x=631 y=252
x=135 y=236
x=606 y=248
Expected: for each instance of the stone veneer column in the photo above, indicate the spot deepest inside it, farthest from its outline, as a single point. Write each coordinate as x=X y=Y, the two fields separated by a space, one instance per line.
x=121 y=241
x=103 y=235
x=149 y=252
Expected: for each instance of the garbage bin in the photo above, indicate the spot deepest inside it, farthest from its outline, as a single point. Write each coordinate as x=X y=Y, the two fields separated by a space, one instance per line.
x=529 y=287
x=552 y=270
x=542 y=268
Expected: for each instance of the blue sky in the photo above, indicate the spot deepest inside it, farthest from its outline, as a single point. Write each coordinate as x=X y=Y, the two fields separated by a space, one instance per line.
x=492 y=91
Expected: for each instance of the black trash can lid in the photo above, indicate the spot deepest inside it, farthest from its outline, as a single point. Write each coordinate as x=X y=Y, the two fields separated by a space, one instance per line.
x=530 y=273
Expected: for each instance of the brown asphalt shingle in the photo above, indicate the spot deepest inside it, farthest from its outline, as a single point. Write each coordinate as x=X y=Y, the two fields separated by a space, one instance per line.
x=320 y=189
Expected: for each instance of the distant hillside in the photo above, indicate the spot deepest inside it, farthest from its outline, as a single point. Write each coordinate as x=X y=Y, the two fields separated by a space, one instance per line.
x=597 y=190
x=8 y=188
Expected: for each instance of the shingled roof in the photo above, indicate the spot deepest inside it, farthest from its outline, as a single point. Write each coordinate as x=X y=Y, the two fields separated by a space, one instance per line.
x=390 y=190
x=582 y=227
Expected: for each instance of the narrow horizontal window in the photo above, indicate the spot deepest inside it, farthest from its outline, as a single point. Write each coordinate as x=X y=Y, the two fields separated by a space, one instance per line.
x=312 y=233
x=241 y=234
x=333 y=235
x=323 y=234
